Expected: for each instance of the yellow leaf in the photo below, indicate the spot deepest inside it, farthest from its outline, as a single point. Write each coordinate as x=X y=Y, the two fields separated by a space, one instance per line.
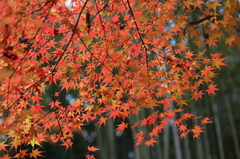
x=34 y=142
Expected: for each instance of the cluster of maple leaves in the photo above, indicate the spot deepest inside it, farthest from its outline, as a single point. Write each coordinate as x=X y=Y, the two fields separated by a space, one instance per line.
x=122 y=56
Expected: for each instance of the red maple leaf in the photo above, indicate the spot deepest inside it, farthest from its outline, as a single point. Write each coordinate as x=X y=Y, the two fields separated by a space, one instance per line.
x=211 y=89
x=206 y=121
x=92 y=148
x=35 y=154
x=5 y=156
x=197 y=95
x=101 y=121
x=122 y=126
x=37 y=108
x=150 y=142
x=183 y=135
x=186 y=116
x=217 y=61
x=197 y=129
x=3 y=145
x=140 y=134
x=182 y=128
x=21 y=154
x=90 y=156
x=40 y=137
x=68 y=143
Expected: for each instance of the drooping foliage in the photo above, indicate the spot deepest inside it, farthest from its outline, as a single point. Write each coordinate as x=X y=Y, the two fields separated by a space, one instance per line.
x=121 y=56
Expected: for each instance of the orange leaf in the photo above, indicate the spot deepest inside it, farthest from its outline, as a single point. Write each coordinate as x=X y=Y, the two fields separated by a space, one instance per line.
x=183 y=135
x=35 y=153
x=197 y=129
x=101 y=121
x=211 y=89
x=93 y=148
x=21 y=154
x=121 y=127
x=197 y=95
x=90 y=157
x=206 y=121
x=5 y=156
x=217 y=61
x=150 y=142
x=182 y=128
x=67 y=144
x=2 y=146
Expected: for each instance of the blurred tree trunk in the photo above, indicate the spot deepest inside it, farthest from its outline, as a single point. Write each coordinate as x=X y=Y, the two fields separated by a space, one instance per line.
x=111 y=139
x=176 y=140
x=199 y=149
x=186 y=147
x=100 y=139
x=207 y=141
x=142 y=151
x=159 y=148
x=218 y=131
x=106 y=140
x=206 y=144
x=232 y=125
x=166 y=142
x=175 y=137
x=135 y=131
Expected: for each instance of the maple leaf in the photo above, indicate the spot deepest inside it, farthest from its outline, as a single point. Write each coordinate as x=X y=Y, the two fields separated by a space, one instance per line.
x=114 y=114
x=100 y=55
x=37 y=108
x=196 y=135
x=186 y=116
x=139 y=140
x=214 y=5
x=40 y=137
x=15 y=143
x=197 y=3
x=165 y=121
x=181 y=102
x=122 y=126
x=35 y=153
x=182 y=128
x=197 y=129
x=212 y=41
x=150 y=142
x=21 y=154
x=54 y=137
x=183 y=135
x=86 y=117
x=48 y=126
x=101 y=121
x=217 y=61
x=33 y=142
x=3 y=145
x=211 y=89
x=197 y=95
x=144 y=122
x=5 y=156
x=206 y=121
x=189 y=55
x=207 y=70
x=54 y=104
x=68 y=143
x=90 y=156
x=92 y=148
x=140 y=134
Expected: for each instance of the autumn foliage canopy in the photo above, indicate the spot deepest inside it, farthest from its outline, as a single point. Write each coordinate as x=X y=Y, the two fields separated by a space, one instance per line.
x=121 y=56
